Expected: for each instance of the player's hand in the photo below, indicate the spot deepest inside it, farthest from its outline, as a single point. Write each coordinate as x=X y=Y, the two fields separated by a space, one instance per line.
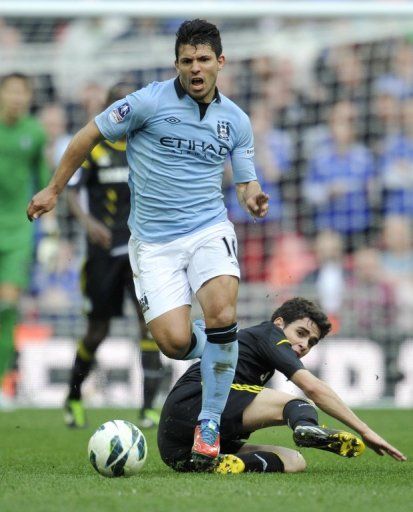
x=257 y=204
x=381 y=447
x=98 y=233
x=41 y=203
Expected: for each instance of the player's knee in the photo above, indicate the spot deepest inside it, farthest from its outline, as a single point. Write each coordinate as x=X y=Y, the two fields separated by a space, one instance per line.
x=221 y=316
x=91 y=344
x=173 y=351
x=294 y=462
x=172 y=338
x=96 y=333
x=173 y=347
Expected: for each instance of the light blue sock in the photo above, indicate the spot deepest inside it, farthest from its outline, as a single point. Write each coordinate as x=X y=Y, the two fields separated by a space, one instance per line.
x=217 y=371
x=198 y=328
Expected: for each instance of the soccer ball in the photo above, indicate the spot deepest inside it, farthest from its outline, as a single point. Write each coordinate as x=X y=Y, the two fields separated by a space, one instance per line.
x=117 y=448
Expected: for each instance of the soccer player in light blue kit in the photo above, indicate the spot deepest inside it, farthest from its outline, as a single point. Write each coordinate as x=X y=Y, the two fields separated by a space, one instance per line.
x=179 y=135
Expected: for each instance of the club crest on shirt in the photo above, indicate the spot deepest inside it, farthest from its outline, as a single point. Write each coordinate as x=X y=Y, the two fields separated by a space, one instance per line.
x=223 y=130
x=119 y=113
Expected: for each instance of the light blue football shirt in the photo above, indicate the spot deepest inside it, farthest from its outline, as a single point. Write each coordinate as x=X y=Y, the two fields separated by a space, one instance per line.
x=176 y=160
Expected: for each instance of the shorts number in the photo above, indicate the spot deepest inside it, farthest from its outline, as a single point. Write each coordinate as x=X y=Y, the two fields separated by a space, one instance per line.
x=231 y=247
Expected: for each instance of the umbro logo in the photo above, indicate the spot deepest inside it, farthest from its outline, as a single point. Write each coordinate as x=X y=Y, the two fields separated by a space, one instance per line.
x=235 y=263
x=172 y=120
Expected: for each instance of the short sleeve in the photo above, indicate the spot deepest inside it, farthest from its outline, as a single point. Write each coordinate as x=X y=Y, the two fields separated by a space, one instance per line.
x=277 y=350
x=127 y=114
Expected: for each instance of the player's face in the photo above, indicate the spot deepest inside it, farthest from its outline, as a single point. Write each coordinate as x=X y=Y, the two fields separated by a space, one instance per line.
x=303 y=334
x=198 y=67
x=15 y=97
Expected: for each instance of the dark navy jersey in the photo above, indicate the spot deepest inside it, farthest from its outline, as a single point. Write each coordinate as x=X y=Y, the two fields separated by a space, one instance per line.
x=263 y=349
x=104 y=175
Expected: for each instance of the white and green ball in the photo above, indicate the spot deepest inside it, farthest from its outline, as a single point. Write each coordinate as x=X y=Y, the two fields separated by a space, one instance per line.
x=117 y=448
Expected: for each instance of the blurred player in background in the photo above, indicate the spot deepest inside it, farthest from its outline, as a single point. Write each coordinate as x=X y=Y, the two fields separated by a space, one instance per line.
x=106 y=274
x=22 y=169
x=276 y=345
x=179 y=135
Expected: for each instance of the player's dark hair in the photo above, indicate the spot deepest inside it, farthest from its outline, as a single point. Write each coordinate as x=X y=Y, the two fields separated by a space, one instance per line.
x=16 y=75
x=195 y=32
x=298 y=308
x=119 y=91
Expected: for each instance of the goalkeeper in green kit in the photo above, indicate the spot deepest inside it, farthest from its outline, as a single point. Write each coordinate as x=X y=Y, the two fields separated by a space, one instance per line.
x=22 y=170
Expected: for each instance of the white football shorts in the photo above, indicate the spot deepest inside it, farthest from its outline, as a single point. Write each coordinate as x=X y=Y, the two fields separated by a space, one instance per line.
x=166 y=274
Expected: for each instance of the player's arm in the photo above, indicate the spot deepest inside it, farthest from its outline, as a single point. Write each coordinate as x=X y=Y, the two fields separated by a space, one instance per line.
x=96 y=231
x=78 y=149
x=329 y=402
x=252 y=198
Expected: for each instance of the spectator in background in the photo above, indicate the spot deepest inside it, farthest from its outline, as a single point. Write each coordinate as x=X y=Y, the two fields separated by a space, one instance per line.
x=92 y=97
x=343 y=72
x=385 y=122
x=10 y=41
x=56 y=276
x=293 y=112
x=229 y=83
x=54 y=120
x=370 y=305
x=281 y=94
x=370 y=296
x=399 y=80
x=85 y=41
x=339 y=180
x=23 y=169
x=397 y=253
x=326 y=283
x=292 y=259
x=273 y=153
x=57 y=121
x=55 y=281
x=396 y=166
x=397 y=263
x=89 y=102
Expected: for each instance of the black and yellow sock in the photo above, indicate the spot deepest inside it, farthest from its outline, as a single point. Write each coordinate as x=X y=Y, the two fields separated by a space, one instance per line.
x=80 y=370
x=152 y=371
x=300 y=412
x=262 y=462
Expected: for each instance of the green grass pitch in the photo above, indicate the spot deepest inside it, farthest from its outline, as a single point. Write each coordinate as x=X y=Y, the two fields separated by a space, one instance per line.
x=44 y=468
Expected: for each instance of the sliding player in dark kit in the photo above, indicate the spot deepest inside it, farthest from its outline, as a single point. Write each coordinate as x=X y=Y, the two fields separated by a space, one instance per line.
x=295 y=328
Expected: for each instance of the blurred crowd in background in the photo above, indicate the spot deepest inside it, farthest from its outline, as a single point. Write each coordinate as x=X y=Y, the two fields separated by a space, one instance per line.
x=335 y=154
